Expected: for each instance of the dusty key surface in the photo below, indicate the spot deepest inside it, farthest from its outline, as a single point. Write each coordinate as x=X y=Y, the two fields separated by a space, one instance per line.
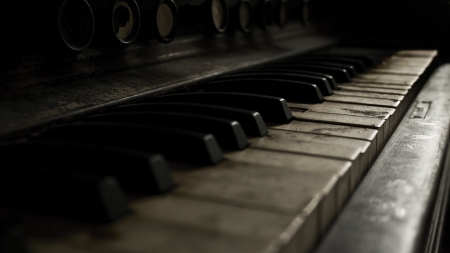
x=363 y=100
x=394 y=70
x=195 y=226
x=273 y=142
x=385 y=78
x=388 y=114
x=361 y=133
x=348 y=144
x=302 y=147
x=374 y=89
x=284 y=190
x=341 y=169
x=348 y=120
x=358 y=133
x=370 y=95
x=417 y=53
x=348 y=109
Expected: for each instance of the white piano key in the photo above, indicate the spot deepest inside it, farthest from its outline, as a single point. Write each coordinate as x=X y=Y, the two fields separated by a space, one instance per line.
x=396 y=71
x=430 y=54
x=423 y=62
x=388 y=114
x=385 y=78
x=349 y=109
x=349 y=120
x=367 y=101
x=140 y=234
x=287 y=190
x=360 y=133
x=343 y=170
x=369 y=95
x=387 y=87
x=299 y=146
x=380 y=89
x=418 y=68
x=412 y=67
x=365 y=156
x=303 y=147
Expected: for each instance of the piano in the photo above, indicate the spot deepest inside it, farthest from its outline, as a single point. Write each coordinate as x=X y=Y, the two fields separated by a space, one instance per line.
x=269 y=126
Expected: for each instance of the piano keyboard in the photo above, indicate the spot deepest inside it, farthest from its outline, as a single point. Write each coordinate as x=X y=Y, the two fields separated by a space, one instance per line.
x=261 y=160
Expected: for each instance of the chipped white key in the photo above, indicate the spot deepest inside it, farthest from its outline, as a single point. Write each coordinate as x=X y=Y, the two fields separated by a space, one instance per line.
x=360 y=133
x=369 y=95
x=275 y=142
x=417 y=53
x=363 y=100
x=388 y=87
x=342 y=170
x=374 y=89
x=350 y=146
x=397 y=71
x=196 y=225
x=385 y=78
x=282 y=189
x=388 y=114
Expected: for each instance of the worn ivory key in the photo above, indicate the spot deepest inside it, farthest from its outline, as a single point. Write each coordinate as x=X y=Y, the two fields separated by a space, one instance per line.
x=196 y=225
x=341 y=171
x=291 y=141
x=388 y=114
x=370 y=95
x=345 y=120
x=417 y=53
x=297 y=145
x=282 y=185
x=399 y=106
x=386 y=78
x=395 y=69
x=384 y=88
x=330 y=130
x=374 y=88
x=368 y=89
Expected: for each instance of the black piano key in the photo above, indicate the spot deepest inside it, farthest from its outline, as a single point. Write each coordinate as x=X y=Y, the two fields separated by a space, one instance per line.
x=272 y=109
x=341 y=75
x=229 y=133
x=174 y=144
x=359 y=65
x=291 y=90
x=349 y=68
x=330 y=79
x=251 y=121
x=61 y=192
x=321 y=82
x=137 y=171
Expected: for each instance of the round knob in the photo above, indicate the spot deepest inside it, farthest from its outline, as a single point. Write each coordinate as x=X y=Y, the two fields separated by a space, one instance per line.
x=219 y=14
x=126 y=20
x=76 y=24
x=264 y=12
x=304 y=15
x=165 y=21
x=282 y=13
x=245 y=16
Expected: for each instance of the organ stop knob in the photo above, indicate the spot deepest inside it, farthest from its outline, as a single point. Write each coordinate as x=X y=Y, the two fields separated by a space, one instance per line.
x=76 y=24
x=166 y=20
x=125 y=20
